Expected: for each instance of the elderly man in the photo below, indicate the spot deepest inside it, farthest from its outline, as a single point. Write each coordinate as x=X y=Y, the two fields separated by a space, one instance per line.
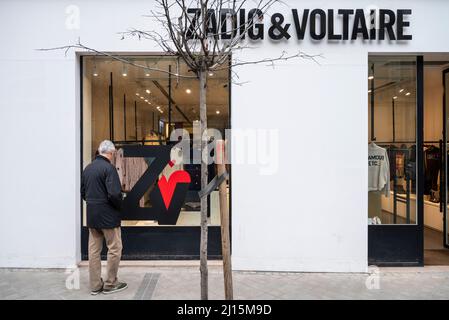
x=100 y=188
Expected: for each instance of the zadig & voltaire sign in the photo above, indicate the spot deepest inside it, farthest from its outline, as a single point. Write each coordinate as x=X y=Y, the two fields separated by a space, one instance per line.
x=320 y=24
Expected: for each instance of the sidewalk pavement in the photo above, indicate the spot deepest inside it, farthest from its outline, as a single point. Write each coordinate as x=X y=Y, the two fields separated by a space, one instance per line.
x=178 y=281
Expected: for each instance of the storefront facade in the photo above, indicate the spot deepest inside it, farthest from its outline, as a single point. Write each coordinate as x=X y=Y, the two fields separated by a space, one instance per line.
x=303 y=203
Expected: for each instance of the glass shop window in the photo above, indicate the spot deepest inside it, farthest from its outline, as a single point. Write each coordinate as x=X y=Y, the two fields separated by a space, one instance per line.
x=130 y=106
x=392 y=162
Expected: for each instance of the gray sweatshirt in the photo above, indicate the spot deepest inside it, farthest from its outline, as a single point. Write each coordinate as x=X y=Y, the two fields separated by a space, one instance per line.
x=378 y=169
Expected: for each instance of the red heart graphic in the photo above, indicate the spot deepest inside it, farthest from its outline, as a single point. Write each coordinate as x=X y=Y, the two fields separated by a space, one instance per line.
x=167 y=188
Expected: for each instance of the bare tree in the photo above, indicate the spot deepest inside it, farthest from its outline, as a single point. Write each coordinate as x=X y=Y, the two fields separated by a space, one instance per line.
x=204 y=34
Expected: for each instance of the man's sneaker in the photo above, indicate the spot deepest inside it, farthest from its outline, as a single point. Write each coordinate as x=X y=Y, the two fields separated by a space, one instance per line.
x=95 y=292
x=120 y=286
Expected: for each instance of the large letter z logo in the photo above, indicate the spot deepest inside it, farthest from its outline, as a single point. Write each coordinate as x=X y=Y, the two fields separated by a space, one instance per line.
x=167 y=196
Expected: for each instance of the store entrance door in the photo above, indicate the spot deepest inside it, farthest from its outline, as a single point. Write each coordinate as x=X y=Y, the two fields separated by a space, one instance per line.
x=395 y=160
x=445 y=180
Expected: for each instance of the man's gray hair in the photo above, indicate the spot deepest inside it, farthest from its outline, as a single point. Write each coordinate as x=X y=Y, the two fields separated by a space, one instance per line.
x=106 y=146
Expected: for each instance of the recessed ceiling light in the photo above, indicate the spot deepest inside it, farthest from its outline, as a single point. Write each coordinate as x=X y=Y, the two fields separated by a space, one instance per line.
x=211 y=74
x=95 y=72
x=137 y=94
x=395 y=97
x=370 y=77
x=142 y=98
x=146 y=100
x=148 y=91
x=217 y=112
x=369 y=91
x=188 y=91
x=407 y=94
x=400 y=91
x=124 y=74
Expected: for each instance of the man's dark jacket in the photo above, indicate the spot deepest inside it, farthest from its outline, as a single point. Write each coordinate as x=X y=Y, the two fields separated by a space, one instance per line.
x=100 y=188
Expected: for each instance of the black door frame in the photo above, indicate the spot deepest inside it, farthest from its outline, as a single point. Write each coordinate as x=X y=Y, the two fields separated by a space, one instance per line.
x=443 y=181
x=156 y=242
x=403 y=245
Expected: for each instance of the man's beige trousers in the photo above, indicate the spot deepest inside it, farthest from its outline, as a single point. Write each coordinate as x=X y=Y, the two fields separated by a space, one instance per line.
x=113 y=239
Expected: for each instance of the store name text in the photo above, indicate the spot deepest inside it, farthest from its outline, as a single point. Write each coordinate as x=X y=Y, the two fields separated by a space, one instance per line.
x=380 y=24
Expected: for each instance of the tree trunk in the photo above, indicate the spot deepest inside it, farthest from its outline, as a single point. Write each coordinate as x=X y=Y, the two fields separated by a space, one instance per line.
x=203 y=129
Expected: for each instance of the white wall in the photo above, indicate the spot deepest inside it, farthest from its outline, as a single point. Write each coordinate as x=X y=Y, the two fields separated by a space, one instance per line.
x=309 y=216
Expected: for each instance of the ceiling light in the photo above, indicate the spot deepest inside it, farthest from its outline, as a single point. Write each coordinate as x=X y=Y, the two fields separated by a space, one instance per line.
x=124 y=70
x=369 y=91
x=137 y=94
x=146 y=100
x=217 y=112
x=407 y=94
x=395 y=97
x=95 y=72
x=148 y=91
x=370 y=77
x=142 y=98
x=147 y=73
x=188 y=91
x=211 y=74
x=400 y=91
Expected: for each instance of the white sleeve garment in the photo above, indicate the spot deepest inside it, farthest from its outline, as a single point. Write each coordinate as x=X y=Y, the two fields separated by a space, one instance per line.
x=378 y=169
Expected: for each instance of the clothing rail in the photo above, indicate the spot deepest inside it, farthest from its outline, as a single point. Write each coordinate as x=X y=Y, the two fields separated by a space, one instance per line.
x=391 y=142
x=123 y=142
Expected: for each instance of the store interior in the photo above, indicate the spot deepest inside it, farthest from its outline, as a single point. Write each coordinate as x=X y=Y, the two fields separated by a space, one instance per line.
x=392 y=133
x=141 y=103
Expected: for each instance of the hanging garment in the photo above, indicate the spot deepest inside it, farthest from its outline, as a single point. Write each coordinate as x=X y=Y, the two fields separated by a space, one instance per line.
x=129 y=171
x=411 y=167
x=432 y=164
x=378 y=169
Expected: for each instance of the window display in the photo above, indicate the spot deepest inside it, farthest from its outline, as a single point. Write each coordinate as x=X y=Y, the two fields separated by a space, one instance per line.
x=138 y=107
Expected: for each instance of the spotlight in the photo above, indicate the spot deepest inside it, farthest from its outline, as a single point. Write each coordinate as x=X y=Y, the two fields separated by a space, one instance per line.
x=188 y=91
x=124 y=71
